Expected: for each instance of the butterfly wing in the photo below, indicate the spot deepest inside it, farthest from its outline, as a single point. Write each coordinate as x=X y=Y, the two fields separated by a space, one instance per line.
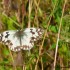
x=9 y=38
x=30 y=35
x=25 y=41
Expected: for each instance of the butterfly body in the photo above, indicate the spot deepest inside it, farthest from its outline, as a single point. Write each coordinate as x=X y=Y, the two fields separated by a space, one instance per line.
x=21 y=39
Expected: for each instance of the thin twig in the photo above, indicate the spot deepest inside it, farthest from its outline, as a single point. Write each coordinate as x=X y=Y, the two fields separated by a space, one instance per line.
x=29 y=14
x=42 y=64
x=59 y=35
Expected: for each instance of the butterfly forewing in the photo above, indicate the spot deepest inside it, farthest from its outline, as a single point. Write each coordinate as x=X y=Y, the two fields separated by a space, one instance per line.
x=19 y=39
x=9 y=38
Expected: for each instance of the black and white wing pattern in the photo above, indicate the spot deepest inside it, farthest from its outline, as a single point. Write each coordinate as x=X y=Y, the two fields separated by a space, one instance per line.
x=21 y=39
x=9 y=38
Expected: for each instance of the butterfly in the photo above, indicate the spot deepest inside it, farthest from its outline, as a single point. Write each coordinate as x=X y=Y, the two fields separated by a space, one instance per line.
x=21 y=39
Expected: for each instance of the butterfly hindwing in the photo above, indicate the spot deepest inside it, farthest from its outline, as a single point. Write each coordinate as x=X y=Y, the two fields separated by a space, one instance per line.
x=19 y=39
x=30 y=35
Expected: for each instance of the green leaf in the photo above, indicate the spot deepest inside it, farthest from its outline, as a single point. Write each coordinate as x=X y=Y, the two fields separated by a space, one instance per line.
x=5 y=61
x=2 y=68
x=53 y=28
x=44 y=59
x=5 y=52
x=10 y=24
x=53 y=46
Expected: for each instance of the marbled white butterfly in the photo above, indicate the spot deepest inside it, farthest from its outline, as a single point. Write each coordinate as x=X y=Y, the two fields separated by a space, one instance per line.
x=21 y=39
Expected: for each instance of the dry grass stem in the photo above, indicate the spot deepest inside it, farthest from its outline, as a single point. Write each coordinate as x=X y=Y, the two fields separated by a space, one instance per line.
x=29 y=14
x=59 y=35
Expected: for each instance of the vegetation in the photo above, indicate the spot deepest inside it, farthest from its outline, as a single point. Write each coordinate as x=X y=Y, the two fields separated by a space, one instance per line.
x=52 y=52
